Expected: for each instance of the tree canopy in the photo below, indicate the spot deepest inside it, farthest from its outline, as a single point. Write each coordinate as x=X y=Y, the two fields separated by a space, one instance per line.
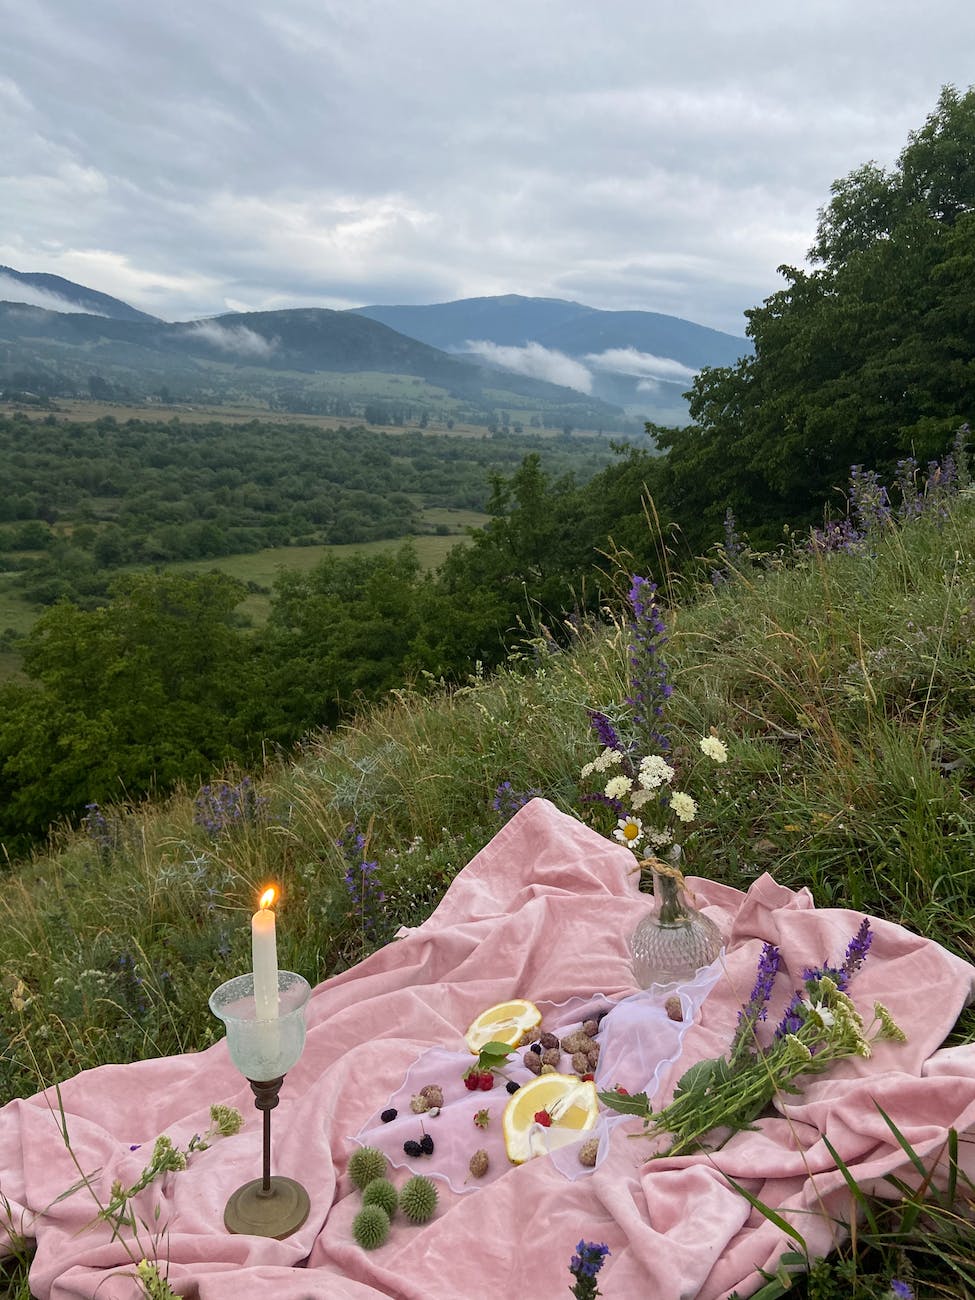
x=866 y=357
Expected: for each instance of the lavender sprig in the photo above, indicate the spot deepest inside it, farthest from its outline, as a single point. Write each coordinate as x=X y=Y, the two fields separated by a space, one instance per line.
x=756 y=1008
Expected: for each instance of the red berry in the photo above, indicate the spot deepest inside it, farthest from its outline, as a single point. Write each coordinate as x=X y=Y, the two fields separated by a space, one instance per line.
x=486 y=1082
x=623 y=1092
x=587 y=1077
x=544 y=1118
x=471 y=1082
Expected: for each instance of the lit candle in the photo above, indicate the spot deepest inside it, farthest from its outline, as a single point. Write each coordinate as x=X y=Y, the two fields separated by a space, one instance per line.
x=264 y=948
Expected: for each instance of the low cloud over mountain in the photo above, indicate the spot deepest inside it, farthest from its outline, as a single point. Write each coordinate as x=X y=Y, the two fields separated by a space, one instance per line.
x=558 y=368
x=15 y=290
x=237 y=339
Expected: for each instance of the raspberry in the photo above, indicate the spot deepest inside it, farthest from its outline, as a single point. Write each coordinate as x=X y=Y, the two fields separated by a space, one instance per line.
x=412 y=1148
x=587 y=1078
x=512 y=1086
x=426 y=1144
x=471 y=1082
x=486 y=1082
x=623 y=1092
x=544 y=1118
x=388 y=1116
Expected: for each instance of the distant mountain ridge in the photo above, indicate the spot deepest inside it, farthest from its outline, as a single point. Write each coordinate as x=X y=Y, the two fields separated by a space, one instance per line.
x=642 y=360
x=514 y=321
x=595 y=364
x=293 y=359
x=39 y=287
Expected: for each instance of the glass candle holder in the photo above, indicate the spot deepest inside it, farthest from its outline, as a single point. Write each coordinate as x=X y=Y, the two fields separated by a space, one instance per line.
x=263 y=1051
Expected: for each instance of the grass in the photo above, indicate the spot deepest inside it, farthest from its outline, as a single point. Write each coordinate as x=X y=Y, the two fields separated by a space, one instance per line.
x=844 y=685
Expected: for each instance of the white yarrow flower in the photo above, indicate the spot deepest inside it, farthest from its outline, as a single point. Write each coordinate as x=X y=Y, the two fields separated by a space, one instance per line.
x=654 y=771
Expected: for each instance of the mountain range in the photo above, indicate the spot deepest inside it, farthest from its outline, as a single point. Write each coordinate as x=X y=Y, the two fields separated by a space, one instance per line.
x=562 y=362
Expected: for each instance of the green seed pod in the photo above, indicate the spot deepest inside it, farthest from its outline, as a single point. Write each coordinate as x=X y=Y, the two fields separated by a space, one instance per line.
x=381 y=1192
x=370 y=1227
x=366 y=1164
x=418 y=1199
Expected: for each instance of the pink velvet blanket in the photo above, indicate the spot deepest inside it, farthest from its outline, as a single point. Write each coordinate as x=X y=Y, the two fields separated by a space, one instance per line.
x=543 y=912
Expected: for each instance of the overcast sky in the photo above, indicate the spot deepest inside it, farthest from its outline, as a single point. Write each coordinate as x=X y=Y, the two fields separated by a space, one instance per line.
x=199 y=156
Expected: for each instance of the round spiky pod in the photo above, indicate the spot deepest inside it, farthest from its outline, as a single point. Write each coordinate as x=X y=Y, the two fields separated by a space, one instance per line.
x=370 y=1227
x=366 y=1164
x=418 y=1199
x=381 y=1192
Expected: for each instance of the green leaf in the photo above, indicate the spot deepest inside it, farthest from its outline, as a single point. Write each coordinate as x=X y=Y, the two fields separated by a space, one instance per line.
x=493 y=1054
x=637 y=1104
x=703 y=1075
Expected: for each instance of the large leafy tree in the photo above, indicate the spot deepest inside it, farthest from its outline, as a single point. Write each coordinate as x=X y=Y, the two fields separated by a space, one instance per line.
x=148 y=690
x=866 y=357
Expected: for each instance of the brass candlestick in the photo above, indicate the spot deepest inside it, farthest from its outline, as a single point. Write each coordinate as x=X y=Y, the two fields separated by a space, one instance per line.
x=263 y=1051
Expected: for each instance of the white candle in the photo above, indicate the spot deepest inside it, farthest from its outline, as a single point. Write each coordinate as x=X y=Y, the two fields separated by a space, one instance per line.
x=264 y=948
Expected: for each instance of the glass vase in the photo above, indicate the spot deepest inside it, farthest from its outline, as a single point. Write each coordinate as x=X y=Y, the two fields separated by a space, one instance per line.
x=674 y=939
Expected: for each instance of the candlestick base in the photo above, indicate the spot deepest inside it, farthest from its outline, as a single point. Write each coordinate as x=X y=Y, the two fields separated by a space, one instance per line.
x=276 y=1213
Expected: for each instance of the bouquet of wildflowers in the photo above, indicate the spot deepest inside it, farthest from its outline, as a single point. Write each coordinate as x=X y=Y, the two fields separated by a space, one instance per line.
x=821 y=1025
x=636 y=777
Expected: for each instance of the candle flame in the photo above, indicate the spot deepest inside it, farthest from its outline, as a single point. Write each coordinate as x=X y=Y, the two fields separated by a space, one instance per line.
x=268 y=897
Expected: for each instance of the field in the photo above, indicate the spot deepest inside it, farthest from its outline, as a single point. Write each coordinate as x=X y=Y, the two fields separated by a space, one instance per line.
x=260 y=568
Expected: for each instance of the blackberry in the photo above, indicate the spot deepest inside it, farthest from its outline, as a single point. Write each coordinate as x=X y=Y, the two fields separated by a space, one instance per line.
x=536 y=1048
x=388 y=1116
x=412 y=1148
x=426 y=1144
x=512 y=1086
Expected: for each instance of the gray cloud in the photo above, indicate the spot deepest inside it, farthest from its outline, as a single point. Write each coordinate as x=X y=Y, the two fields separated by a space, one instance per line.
x=188 y=157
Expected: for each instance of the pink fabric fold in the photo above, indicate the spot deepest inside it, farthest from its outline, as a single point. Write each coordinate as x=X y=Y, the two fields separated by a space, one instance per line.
x=543 y=912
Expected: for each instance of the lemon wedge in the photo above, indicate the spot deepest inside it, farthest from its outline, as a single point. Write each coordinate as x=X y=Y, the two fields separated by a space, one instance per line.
x=571 y=1105
x=508 y=1022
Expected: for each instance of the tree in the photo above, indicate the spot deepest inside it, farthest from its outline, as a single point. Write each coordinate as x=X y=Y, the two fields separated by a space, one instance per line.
x=153 y=688
x=866 y=357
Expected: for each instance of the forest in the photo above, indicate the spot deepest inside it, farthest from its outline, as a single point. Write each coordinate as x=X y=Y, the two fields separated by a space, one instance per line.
x=143 y=680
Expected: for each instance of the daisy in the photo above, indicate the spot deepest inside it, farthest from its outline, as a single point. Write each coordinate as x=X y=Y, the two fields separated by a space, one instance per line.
x=629 y=831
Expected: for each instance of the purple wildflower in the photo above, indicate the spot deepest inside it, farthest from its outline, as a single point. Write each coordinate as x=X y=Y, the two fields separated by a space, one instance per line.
x=756 y=1008
x=857 y=948
x=869 y=502
x=605 y=731
x=363 y=884
x=223 y=806
x=584 y=1266
x=732 y=542
x=648 y=671
x=507 y=800
x=97 y=827
x=902 y=1290
x=607 y=800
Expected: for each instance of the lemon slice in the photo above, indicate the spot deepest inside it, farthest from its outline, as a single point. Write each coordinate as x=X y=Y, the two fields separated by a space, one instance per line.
x=572 y=1105
x=508 y=1022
